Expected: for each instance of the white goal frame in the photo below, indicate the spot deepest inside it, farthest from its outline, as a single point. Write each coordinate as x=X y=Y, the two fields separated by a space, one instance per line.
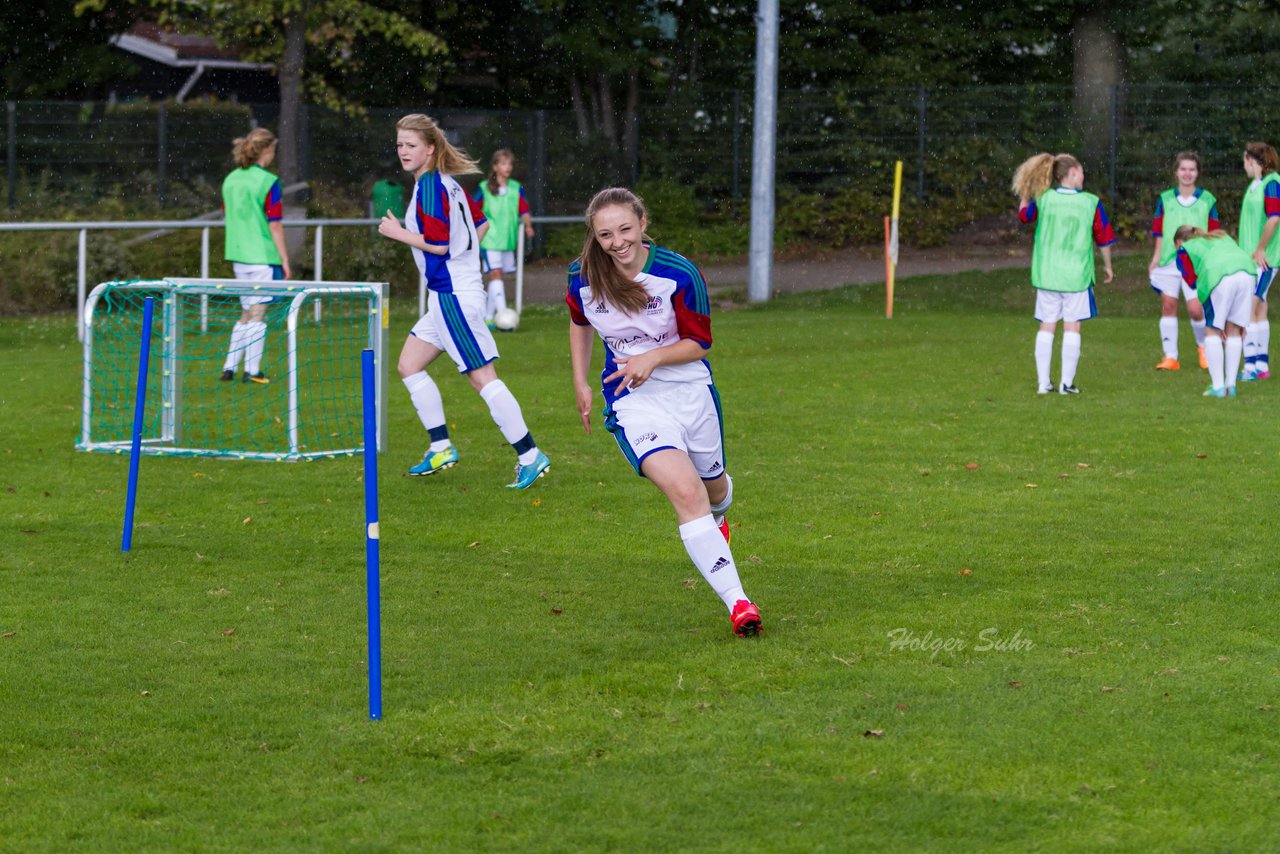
x=169 y=442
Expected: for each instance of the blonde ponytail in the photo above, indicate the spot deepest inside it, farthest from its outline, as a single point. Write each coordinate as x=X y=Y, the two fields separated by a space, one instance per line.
x=1040 y=172
x=249 y=148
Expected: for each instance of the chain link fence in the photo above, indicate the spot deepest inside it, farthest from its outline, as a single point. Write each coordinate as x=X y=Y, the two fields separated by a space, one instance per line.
x=954 y=142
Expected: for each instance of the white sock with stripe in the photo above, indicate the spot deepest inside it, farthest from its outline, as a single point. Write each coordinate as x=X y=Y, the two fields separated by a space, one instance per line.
x=1169 y=337
x=425 y=395
x=1250 y=347
x=711 y=555
x=1264 y=342
x=505 y=411
x=1070 y=357
x=497 y=297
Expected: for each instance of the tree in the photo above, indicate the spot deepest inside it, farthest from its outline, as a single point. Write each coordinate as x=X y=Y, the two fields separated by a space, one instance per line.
x=51 y=54
x=315 y=44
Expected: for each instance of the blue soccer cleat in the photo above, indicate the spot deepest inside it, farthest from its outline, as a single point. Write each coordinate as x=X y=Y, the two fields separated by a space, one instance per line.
x=1215 y=392
x=526 y=475
x=435 y=462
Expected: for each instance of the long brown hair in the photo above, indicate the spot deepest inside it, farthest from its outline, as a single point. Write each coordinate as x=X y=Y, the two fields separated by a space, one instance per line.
x=249 y=148
x=1264 y=154
x=447 y=160
x=609 y=284
x=1040 y=172
x=500 y=154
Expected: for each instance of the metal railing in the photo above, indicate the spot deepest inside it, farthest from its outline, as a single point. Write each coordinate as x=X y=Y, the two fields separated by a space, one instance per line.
x=82 y=252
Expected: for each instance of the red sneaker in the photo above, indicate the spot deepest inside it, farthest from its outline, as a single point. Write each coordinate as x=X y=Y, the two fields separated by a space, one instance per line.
x=724 y=528
x=745 y=618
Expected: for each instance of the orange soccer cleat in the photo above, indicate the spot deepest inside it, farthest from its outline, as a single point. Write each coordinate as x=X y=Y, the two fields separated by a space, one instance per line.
x=746 y=619
x=1204 y=361
x=1167 y=364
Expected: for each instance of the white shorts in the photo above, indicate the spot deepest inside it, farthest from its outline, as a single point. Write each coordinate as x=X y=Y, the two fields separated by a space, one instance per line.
x=1052 y=306
x=257 y=273
x=681 y=415
x=1168 y=281
x=1231 y=302
x=501 y=259
x=455 y=323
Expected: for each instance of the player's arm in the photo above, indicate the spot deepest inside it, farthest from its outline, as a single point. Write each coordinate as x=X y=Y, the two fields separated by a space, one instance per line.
x=274 y=208
x=526 y=215
x=1157 y=230
x=1104 y=235
x=1268 y=231
x=391 y=227
x=581 y=339
x=1026 y=211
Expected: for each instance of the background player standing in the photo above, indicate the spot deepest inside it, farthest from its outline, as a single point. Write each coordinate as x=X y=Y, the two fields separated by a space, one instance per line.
x=1259 y=218
x=440 y=227
x=507 y=210
x=650 y=307
x=1068 y=223
x=253 y=207
x=1182 y=204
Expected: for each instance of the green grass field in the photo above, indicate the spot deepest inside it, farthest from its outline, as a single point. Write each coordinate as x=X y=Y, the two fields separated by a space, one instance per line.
x=993 y=620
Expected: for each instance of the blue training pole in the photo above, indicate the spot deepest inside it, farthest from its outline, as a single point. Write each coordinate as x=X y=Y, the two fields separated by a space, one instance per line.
x=139 y=408
x=371 y=534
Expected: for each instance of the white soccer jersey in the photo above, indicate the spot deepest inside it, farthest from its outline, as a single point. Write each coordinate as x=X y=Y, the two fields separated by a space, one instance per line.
x=445 y=216
x=678 y=308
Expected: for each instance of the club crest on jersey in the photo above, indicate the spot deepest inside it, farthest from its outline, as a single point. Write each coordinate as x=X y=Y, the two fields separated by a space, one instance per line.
x=654 y=305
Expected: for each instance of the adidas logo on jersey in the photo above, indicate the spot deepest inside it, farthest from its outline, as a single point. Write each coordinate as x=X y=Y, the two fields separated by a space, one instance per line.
x=721 y=563
x=601 y=308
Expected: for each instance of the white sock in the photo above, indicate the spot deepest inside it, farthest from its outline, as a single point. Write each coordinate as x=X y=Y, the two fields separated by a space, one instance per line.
x=1264 y=342
x=1169 y=337
x=1070 y=357
x=718 y=510
x=425 y=395
x=256 y=336
x=711 y=555
x=1232 y=358
x=1197 y=329
x=505 y=411
x=1044 y=355
x=236 y=348
x=1250 y=347
x=1213 y=355
x=496 y=300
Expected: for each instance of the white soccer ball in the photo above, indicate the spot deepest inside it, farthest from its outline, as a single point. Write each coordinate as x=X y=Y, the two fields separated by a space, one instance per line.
x=506 y=320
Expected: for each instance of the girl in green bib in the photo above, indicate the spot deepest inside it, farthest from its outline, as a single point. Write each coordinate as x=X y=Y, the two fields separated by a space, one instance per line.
x=1259 y=218
x=1069 y=222
x=507 y=210
x=252 y=206
x=1223 y=276
x=1182 y=204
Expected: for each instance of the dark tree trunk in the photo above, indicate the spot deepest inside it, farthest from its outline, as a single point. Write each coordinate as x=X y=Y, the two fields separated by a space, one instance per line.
x=630 y=116
x=579 y=108
x=289 y=154
x=608 y=121
x=1098 y=66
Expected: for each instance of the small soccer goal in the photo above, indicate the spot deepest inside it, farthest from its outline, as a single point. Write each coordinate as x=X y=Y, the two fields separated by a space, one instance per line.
x=303 y=402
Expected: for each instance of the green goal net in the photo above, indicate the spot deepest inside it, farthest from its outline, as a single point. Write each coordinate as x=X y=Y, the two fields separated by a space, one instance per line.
x=304 y=401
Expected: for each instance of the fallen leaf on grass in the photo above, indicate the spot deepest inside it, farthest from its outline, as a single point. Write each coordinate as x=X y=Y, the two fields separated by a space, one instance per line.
x=557 y=611
x=902 y=707
x=1223 y=658
x=1202 y=456
x=1082 y=465
x=873 y=733
x=199 y=556
x=966 y=572
x=8 y=634
x=690 y=583
x=102 y=491
x=1015 y=684
x=10 y=489
x=261 y=501
x=473 y=545
x=361 y=779
x=221 y=591
x=1263 y=708
x=537 y=502
x=1107 y=689
x=1064 y=474
x=1033 y=486
x=198 y=474
x=228 y=631
x=146 y=693
x=29 y=531
x=971 y=466
x=246 y=520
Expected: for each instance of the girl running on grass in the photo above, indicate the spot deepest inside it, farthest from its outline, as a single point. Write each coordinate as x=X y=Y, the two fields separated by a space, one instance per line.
x=1068 y=223
x=650 y=307
x=1259 y=218
x=507 y=211
x=1182 y=204
x=1224 y=278
x=253 y=208
x=440 y=227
